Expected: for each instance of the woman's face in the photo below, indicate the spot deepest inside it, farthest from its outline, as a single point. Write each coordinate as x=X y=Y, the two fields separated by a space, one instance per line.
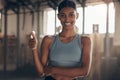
x=67 y=17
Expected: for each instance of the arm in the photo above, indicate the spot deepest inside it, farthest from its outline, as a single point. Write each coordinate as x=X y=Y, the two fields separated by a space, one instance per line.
x=86 y=62
x=33 y=42
x=44 y=51
x=37 y=62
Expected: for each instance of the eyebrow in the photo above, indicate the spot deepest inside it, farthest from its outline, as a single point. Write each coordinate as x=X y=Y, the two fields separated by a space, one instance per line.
x=64 y=13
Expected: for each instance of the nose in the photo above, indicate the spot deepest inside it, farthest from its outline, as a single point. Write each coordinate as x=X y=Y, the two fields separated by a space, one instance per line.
x=67 y=18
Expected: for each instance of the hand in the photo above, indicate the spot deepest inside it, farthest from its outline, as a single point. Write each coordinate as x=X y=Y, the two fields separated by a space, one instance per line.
x=48 y=72
x=33 y=42
x=61 y=77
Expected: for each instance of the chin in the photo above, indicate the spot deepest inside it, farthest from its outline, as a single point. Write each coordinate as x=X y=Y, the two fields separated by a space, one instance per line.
x=69 y=27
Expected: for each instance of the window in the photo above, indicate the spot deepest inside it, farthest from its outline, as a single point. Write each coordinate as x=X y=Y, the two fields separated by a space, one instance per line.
x=0 y=15
x=95 y=14
x=51 y=22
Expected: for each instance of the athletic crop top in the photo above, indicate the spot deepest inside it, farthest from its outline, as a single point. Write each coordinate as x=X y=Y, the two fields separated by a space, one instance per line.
x=65 y=54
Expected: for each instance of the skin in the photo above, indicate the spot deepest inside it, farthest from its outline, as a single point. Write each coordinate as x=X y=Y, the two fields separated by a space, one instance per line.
x=67 y=17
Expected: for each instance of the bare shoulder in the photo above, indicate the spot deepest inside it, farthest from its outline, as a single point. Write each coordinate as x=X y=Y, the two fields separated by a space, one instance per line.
x=86 y=42
x=48 y=39
x=86 y=39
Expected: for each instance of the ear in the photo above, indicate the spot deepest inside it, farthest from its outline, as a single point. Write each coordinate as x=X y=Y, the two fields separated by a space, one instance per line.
x=77 y=15
x=58 y=16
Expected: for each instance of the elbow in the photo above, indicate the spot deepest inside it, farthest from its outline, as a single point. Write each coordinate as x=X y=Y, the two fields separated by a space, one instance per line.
x=40 y=73
x=83 y=73
x=86 y=72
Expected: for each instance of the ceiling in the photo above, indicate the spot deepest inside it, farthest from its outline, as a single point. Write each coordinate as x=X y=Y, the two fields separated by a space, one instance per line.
x=32 y=5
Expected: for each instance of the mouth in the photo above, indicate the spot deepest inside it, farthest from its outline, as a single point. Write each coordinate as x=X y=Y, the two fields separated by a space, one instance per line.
x=67 y=24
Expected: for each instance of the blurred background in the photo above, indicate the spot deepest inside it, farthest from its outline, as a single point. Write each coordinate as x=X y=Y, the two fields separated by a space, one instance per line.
x=99 y=19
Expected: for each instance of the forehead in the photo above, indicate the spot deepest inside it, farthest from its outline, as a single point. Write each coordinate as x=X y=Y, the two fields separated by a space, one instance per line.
x=68 y=10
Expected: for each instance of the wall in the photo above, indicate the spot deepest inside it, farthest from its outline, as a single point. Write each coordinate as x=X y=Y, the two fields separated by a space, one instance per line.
x=24 y=56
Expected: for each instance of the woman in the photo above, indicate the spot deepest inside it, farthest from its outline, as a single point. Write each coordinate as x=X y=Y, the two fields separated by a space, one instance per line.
x=65 y=56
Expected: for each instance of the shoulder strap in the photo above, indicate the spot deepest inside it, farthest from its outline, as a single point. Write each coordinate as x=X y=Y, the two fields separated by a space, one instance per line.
x=54 y=39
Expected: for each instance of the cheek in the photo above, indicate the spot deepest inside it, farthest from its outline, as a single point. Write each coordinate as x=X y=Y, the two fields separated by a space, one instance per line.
x=74 y=20
x=61 y=20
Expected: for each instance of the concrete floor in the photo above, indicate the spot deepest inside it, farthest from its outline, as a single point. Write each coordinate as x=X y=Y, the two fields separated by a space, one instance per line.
x=22 y=73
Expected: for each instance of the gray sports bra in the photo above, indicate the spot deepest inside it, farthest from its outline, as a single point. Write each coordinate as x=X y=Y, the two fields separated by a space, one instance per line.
x=65 y=54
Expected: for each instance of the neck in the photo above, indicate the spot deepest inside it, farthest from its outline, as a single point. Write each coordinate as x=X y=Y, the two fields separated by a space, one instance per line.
x=67 y=33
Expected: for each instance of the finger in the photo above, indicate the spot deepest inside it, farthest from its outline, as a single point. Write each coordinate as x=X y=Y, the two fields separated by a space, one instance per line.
x=32 y=35
x=31 y=43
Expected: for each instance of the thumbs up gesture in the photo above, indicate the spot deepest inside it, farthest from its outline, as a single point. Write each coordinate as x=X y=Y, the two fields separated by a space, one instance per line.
x=33 y=42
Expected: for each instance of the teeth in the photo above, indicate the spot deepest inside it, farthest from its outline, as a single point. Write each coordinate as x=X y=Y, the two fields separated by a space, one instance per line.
x=67 y=23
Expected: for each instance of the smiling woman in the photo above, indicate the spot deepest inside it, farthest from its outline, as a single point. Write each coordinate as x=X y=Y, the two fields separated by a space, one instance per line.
x=66 y=55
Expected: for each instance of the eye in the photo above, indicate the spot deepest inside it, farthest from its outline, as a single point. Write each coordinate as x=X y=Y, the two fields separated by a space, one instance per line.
x=62 y=15
x=72 y=15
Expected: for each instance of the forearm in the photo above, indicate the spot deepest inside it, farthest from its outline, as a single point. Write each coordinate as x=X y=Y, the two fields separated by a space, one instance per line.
x=49 y=72
x=70 y=72
x=37 y=62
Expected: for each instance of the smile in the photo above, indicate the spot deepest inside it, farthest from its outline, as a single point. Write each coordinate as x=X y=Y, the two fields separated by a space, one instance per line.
x=67 y=23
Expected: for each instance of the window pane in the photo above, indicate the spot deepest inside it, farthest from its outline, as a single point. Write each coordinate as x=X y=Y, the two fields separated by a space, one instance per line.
x=99 y=16
x=0 y=15
x=80 y=20
x=111 y=18
x=51 y=22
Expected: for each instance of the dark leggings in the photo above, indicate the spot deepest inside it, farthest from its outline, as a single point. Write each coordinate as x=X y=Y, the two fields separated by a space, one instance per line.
x=49 y=78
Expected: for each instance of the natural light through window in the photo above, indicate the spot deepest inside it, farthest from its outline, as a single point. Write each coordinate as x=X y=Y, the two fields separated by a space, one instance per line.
x=111 y=18
x=95 y=14
x=0 y=15
x=51 y=22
